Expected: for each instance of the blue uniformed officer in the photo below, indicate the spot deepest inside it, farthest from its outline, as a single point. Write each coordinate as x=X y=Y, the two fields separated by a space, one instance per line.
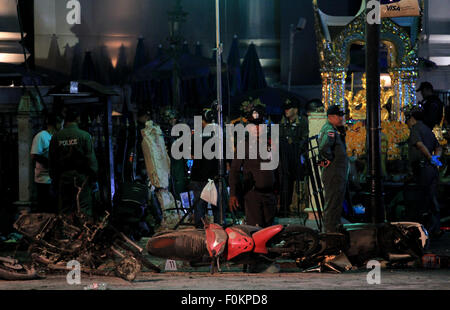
x=424 y=152
x=333 y=156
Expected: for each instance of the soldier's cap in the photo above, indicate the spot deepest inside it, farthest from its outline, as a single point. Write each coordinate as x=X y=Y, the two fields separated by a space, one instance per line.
x=425 y=85
x=288 y=104
x=335 y=110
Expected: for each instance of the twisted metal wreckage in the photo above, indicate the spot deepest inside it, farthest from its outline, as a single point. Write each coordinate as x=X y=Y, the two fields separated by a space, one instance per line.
x=98 y=247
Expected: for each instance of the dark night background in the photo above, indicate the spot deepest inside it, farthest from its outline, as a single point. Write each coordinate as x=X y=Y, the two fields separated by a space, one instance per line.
x=266 y=23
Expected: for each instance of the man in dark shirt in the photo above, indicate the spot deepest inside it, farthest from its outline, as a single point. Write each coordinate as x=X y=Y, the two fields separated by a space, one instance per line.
x=258 y=186
x=433 y=108
x=202 y=170
x=424 y=153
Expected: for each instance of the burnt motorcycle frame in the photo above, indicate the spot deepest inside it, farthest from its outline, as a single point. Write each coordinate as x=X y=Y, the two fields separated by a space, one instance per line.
x=57 y=239
x=60 y=239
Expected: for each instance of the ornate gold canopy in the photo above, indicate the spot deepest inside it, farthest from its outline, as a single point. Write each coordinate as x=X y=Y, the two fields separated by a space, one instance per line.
x=336 y=34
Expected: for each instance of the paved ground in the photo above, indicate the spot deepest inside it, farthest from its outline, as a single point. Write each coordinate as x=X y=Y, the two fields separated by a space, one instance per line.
x=355 y=280
x=231 y=278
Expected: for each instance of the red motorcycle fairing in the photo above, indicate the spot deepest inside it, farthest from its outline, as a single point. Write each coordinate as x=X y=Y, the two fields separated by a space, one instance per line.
x=261 y=237
x=238 y=242
x=216 y=239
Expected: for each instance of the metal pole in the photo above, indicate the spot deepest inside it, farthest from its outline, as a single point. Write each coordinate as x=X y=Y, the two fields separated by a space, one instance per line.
x=427 y=27
x=109 y=154
x=219 y=111
x=291 y=51
x=27 y=67
x=377 y=210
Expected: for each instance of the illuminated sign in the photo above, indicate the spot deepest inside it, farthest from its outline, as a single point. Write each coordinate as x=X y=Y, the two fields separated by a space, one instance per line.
x=390 y=8
x=398 y=8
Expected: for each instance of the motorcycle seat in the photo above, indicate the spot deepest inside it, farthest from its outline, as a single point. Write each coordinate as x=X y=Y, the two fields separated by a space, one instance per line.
x=250 y=230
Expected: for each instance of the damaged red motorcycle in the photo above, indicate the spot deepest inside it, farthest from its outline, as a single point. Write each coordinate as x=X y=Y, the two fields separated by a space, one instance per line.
x=240 y=244
x=250 y=245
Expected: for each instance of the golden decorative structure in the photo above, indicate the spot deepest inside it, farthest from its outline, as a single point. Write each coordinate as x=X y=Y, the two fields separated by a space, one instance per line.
x=336 y=34
x=385 y=95
x=439 y=133
x=357 y=102
x=393 y=133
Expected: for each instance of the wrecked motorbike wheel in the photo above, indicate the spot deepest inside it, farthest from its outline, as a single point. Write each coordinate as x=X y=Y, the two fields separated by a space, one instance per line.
x=295 y=241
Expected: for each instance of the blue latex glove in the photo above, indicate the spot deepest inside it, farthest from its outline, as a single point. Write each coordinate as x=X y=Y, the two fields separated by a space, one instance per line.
x=435 y=160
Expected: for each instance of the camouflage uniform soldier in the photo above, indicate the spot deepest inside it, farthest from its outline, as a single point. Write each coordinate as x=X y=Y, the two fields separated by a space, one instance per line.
x=333 y=155
x=294 y=134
